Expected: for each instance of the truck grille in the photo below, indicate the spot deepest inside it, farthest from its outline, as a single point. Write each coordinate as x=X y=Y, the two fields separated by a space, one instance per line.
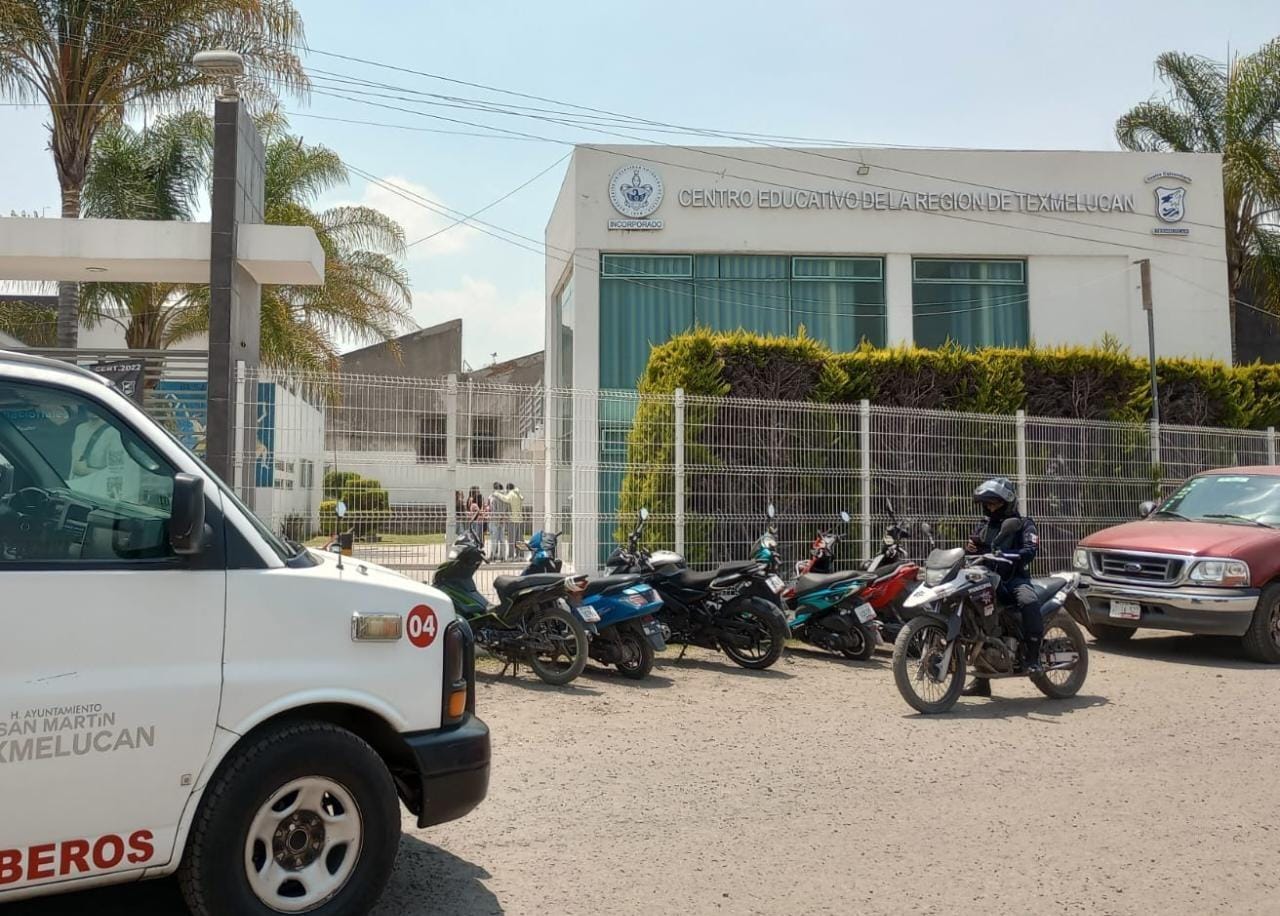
x=1136 y=567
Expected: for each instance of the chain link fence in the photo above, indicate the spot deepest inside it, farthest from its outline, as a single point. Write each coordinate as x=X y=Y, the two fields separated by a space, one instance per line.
x=416 y=460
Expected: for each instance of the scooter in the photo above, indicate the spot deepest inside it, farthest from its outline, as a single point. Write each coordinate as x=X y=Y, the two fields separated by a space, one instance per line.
x=532 y=621
x=826 y=610
x=627 y=633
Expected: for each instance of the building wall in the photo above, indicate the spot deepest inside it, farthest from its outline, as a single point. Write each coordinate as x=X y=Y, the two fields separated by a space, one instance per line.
x=433 y=352
x=1080 y=284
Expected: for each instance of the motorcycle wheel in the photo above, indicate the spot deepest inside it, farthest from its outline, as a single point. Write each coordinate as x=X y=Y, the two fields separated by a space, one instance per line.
x=918 y=647
x=864 y=643
x=1060 y=685
x=768 y=629
x=564 y=654
x=637 y=654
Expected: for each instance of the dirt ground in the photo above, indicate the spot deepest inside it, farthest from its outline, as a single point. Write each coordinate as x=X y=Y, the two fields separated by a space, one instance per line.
x=813 y=789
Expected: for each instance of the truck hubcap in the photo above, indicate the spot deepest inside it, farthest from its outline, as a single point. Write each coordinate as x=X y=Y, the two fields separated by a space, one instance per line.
x=303 y=844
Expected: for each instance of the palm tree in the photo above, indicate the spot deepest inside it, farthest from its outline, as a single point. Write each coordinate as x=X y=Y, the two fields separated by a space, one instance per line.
x=1232 y=109
x=365 y=296
x=91 y=61
x=158 y=172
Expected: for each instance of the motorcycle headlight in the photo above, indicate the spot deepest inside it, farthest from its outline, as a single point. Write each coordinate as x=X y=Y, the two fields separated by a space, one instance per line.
x=1220 y=572
x=935 y=576
x=1080 y=559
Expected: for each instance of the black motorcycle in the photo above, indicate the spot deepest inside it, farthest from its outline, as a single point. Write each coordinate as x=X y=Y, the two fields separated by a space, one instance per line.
x=960 y=623
x=532 y=621
x=725 y=610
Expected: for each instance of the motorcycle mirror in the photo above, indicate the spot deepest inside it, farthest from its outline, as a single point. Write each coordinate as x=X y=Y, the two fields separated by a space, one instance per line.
x=1146 y=508
x=340 y=509
x=770 y=511
x=888 y=504
x=1010 y=525
x=644 y=514
x=927 y=529
x=845 y=517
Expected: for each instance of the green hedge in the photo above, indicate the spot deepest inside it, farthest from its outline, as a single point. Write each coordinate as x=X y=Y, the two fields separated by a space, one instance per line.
x=368 y=505
x=1087 y=383
x=818 y=457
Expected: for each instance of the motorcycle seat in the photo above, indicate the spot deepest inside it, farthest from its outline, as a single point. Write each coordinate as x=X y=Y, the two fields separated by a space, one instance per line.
x=1047 y=588
x=745 y=566
x=603 y=584
x=505 y=585
x=694 y=581
x=812 y=582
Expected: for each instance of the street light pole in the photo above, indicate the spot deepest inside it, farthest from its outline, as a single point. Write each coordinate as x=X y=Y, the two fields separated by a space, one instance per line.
x=1144 y=268
x=235 y=298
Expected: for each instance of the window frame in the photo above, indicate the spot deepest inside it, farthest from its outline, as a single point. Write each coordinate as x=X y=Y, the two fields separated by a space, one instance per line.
x=213 y=557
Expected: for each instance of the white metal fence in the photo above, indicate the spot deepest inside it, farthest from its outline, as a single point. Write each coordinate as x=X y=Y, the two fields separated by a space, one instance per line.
x=583 y=462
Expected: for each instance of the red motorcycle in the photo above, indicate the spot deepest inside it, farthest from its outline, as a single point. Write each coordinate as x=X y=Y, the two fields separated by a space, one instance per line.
x=892 y=574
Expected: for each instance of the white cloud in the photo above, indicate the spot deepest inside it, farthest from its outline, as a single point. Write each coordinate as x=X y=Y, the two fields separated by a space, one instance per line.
x=492 y=322
x=418 y=220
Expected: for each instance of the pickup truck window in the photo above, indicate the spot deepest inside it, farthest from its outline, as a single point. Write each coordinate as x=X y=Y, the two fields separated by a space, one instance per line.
x=82 y=485
x=1240 y=499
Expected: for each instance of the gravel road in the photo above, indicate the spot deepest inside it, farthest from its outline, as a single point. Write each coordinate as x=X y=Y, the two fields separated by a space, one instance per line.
x=814 y=789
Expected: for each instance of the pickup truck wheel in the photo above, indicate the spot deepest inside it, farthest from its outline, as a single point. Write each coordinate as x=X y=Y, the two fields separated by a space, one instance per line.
x=1108 y=635
x=305 y=819
x=1262 y=641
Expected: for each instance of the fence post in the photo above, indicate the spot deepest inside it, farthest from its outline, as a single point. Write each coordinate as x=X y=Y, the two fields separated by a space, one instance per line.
x=864 y=466
x=679 y=471
x=451 y=457
x=1021 y=449
x=549 y=416
x=1155 y=456
x=1271 y=445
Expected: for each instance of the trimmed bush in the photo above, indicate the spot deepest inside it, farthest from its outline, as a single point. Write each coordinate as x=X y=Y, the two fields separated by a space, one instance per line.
x=368 y=505
x=1085 y=383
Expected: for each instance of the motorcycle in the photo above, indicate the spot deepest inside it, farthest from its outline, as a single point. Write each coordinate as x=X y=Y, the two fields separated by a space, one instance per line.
x=628 y=634
x=726 y=610
x=826 y=609
x=532 y=621
x=960 y=624
x=895 y=577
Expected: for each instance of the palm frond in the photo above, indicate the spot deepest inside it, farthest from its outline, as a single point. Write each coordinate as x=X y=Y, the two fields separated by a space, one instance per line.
x=1154 y=127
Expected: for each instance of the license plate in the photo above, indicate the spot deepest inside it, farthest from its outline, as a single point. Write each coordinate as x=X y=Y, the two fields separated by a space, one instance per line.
x=1126 y=610
x=866 y=613
x=776 y=584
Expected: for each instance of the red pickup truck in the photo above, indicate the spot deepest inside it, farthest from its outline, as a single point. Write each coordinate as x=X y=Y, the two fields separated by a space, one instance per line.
x=1206 y=560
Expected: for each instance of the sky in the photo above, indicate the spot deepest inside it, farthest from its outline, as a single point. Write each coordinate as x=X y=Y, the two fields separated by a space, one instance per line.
x=1006 y=75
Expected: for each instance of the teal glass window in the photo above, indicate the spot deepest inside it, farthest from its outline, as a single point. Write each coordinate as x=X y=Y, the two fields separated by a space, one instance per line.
x=974 y=303
x=647 y=299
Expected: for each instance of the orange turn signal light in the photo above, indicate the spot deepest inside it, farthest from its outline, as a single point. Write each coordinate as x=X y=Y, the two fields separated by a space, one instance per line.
x=457 y=704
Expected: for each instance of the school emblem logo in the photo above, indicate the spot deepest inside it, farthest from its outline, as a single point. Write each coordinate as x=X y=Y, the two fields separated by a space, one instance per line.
x=635 y=191
x=1171 y=204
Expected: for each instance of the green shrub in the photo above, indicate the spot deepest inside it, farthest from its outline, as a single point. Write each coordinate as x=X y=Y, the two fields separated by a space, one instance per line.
x=1086 y=383
x=368 y=505
x=337 y=481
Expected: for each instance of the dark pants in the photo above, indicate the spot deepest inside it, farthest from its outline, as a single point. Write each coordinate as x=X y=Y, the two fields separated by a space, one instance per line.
x=1020 y=593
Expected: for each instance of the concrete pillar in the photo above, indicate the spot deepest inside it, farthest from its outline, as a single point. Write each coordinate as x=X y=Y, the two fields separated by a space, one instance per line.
x=897 y=297
x=235 y=298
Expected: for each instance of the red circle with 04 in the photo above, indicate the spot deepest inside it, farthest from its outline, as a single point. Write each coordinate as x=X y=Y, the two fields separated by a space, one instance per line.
x=421 y=626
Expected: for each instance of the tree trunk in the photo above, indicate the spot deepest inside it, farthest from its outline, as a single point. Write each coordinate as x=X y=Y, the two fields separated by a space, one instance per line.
x=69 y=290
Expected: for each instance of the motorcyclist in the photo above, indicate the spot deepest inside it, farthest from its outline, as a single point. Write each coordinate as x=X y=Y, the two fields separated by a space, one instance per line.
x=998 y=498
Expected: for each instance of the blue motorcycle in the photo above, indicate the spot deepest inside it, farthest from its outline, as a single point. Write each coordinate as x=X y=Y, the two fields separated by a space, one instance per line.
x=627 y=634
x=823 y=609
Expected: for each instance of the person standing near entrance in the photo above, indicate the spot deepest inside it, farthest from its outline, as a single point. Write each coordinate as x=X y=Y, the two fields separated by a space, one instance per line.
x=499 y=521
x=515 y=501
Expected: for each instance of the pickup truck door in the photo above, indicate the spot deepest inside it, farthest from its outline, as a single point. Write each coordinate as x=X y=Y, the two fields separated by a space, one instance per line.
x=111 y=646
